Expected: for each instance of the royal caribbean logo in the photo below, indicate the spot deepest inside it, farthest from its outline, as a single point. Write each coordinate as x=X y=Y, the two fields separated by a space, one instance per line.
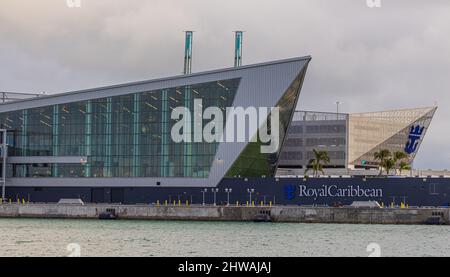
x=415 y=134
x=289 y=192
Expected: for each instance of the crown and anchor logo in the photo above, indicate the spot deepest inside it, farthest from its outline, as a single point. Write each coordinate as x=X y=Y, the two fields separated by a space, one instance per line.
x=414 y=137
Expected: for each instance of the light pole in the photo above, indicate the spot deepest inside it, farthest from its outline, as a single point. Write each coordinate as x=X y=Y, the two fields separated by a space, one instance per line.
x=250 y=191
x=215 y=191
x=228 y=191
x=203 y=192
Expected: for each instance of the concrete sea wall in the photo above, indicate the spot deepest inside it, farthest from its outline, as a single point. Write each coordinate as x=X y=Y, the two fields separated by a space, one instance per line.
x=220 y=213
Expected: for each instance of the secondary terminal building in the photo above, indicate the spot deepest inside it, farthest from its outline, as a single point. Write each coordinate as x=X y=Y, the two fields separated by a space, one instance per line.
x=351 y=140
x=115 y=144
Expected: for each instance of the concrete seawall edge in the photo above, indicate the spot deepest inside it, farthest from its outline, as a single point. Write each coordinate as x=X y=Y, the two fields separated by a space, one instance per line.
x=294 y=214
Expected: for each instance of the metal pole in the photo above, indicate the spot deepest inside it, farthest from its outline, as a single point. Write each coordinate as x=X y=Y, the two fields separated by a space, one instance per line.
x=188 y=52
x=238 y=49
x=250 y=194
x=337 y=109
x=203 y=192
x=228 y=190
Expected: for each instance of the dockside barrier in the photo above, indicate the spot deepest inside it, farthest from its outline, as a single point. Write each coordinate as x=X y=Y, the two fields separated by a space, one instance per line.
x=232 y=213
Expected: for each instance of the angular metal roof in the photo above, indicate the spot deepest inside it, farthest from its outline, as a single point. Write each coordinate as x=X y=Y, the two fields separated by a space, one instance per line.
x=131 y=87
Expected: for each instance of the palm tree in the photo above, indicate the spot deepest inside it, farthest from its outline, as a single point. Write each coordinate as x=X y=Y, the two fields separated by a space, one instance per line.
x=400 y=155
x=389 y=164
x=404 y=166
x=382 y=156
x=316 y=164
x=400 y=163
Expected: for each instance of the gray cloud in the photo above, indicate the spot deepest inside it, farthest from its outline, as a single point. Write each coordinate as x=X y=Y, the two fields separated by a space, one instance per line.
x=396 y=56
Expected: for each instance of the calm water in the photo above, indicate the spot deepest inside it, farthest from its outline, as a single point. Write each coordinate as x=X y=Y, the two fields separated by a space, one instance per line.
x=36 y=237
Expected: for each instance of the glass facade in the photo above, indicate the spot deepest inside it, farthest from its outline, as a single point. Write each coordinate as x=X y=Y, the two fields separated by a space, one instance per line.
x=121 y=136
x=251 y=162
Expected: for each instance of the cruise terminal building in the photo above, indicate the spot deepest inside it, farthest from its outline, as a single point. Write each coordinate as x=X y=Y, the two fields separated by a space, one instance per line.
x=351 y=140
x=104 y=144
x=113 y=145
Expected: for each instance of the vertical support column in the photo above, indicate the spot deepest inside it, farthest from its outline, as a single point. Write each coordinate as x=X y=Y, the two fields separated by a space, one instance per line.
x=107 y=170
x=55 y=138
x=88 y=132
x=347 y=142
x=187 y=153
x=238 y=48
x=24 y=139
x=136 y=120
x=4 y=152
x=164 y=134
x=187 y=146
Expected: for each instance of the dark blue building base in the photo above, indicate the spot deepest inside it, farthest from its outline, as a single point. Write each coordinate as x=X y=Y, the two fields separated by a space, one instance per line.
x=283 y=191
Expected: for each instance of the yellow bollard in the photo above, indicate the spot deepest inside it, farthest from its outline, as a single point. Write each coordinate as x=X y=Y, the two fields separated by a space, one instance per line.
x=10 y=201
x=407 y=206
x=187 y=203
x=247 y=203
x=262 y=203
x=253 y=203
x=237 y=203
x=382 y=205
x=18 y=201
x=270 y=203
x=157 y=203
x=174 y=202
x=392 y=204
x=166 y=203
x=402 y=205
x=23 y=201
x=179 y=202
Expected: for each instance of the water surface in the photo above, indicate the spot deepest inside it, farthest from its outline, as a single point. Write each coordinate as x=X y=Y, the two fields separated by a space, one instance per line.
x=43 y=237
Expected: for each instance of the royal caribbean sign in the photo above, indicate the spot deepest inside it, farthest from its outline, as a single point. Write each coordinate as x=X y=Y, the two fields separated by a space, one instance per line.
x=415 y=135
x=333 y=191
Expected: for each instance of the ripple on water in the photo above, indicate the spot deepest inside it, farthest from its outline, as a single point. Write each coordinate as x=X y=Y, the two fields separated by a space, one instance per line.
x=34 y=237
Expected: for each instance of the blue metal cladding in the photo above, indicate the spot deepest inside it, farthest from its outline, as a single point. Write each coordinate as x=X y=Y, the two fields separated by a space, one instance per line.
x=121 y=136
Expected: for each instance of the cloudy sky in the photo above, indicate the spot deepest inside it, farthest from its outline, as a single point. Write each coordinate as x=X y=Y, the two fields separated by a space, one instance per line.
x=394 y=56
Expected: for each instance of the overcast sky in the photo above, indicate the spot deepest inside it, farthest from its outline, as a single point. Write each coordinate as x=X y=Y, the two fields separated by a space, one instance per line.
x=394 y=56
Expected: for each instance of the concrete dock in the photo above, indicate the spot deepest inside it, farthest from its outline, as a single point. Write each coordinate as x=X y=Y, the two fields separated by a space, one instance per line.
x=295 y=214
